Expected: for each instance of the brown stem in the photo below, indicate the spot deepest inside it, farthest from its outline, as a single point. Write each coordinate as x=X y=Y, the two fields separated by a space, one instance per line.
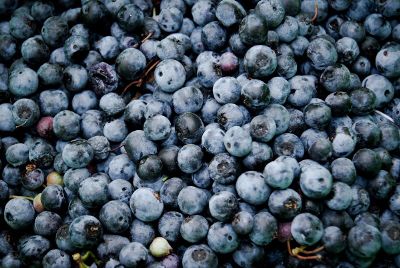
x=307 y=258
x=20 y=196
x=149 y=35
x=313 y=251
x=139 y=82
x=289 y=248
x=315 y=11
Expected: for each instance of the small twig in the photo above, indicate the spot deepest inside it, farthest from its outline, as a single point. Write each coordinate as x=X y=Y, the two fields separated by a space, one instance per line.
x=315 y=11
x=321 y=248
x=23 y=124
x=20 y=196
x=139 y=82
x=147 y=37
x=296 y=252
x=80 y=260
x=384 y=115
x=116 y=148
x=289 y=248
x=307 y=258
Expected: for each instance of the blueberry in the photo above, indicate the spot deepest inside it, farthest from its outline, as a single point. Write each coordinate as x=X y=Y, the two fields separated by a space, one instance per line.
x=203 y=12
x=230 y=115
x=32 y=249
x=41 y=153
x=73 y=177
x=120 y=190
x=278 y=175
x=133 y=255
x=52 y=102
x=388 y=59
x=22 y=26
x=115 y=130
x=47 y=223
x=363 y=101
x=339 y=102
x=251 y=187
x=77 y=153
x=190 y=158
x=306 y=229
x=93 y=191
x=187 y=99
x=367 y=161
x=255 y=94
x=285 y=204
x=200 y=256
x=226 y=90
x=141 y=232
x=389 y=240
x=286 y=66
x=130 y=17
x=169 y=225
x=8 y=47
x=272 y=11
x=222 y=238
x=170 y=75
x=360 y=201
x=33 y=179
x=347 y=49
x=7 y=7
x=384 y=92
x=129 y=63
x=23 y=82
x=262 y=128
x=243 y=222
x=253 y=29
x=340 y=197
x=7 y=121
x=85 y=232
x=53 y=198
x=334 y=239
x=66 y=125
x=302 y=90
x=260 y=61
x=315 y=181
x=229 y=13
x=192 y=200
x=111 y=247
x=212 y=141
x=389 y=136
x=194 y=228
x=19 y=213
x=260 y=154
x=103 y=78
x=146 y=204
x=157 y=128
x=138 y=146
x=322 y=53
x=382 y=185
x=170 y=19
x=264 y=229
x=237 y=141
x=365 y=245
x=76 y=208
x=150 y=168
x=115 y=216
x=17 y=154
x=223 y=205
x=54 y=31
x=213 y=36
x=75 y=78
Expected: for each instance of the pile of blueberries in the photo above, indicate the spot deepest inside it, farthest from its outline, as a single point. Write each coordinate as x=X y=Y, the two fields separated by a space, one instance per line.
x=200 y=133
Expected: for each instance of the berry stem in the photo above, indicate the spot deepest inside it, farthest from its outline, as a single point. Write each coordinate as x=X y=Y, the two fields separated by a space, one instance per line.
x=20 y=196
x=315 y=11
